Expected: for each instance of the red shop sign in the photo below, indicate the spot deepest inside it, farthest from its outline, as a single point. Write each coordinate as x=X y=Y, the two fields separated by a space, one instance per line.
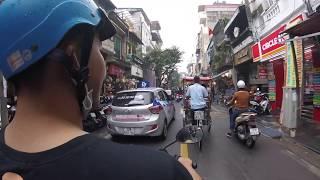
x=273 y=44
x=255 y=52
x=263 y=73
x=114 y=70
x=273 y=41
x=270 y=45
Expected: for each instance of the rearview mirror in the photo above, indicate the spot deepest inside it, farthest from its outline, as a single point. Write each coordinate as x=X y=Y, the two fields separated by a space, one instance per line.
x=189 y=135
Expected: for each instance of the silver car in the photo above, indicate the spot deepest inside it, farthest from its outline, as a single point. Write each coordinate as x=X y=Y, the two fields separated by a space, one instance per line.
x=141 y=112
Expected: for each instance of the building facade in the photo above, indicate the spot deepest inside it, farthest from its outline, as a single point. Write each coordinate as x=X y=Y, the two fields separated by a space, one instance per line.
x=150 y=37
x=209 y=16
x=269 y=19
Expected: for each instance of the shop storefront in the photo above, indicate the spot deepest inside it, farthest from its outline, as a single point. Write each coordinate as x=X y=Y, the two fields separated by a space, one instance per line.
x=136 y=76
x=307 y=51
x=270 y=52
x=242 y=63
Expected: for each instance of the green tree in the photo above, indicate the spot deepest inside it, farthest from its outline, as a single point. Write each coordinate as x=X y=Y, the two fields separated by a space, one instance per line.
x=174 y=81
x=164 y=63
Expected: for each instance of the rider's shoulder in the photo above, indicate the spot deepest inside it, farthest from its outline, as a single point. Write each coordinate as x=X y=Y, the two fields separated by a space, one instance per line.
x=128 y=152
x=134 y=160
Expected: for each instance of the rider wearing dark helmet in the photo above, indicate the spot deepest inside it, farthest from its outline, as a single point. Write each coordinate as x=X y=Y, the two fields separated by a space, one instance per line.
x=50 y=51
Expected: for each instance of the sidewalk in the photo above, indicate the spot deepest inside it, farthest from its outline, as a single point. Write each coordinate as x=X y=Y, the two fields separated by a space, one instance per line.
x=308 y=134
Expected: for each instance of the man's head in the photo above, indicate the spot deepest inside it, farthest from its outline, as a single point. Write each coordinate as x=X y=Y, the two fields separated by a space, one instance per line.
x=241 y=84
x=196 y=79
x=68 y=55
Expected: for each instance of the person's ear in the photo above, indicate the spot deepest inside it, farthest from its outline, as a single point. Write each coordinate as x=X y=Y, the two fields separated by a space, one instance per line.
x=71 y=52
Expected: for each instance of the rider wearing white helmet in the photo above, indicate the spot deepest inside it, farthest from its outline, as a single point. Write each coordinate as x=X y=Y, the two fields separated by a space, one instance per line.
x=50 y=51
x=240 y=102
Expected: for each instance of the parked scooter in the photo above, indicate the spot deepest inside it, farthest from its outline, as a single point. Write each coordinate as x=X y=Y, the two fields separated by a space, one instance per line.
x=246 y=129
x=261 y=103
x=106 y=100
x=187 y=135
x=11 y=107
x=95 y=120
x=179 y=97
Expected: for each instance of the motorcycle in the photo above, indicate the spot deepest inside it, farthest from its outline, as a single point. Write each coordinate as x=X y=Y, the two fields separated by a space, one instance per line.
x=201 y=118
x=106 y=100
x=261 y=103
x=11 y=111
x=95 y=120
x=246 y=129
x=187 y=135
x=11 y=107
x=179 y=97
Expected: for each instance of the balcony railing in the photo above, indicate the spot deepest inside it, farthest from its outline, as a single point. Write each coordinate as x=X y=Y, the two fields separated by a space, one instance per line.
x=271 y=12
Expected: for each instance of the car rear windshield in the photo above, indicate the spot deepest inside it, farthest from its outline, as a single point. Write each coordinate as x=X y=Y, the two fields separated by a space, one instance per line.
x=134 y=98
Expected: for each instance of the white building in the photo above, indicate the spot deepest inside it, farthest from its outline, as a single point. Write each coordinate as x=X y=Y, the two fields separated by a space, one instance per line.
x=268 y=15
x=140 y=24
x=155 y=32
x=209 y=16
x=269 y=19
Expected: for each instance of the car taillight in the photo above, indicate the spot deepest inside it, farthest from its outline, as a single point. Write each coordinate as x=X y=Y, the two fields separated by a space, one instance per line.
x=108 y=111
x=156 y=109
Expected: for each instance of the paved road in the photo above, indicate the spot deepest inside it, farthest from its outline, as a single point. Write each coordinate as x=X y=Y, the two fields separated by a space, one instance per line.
x=227 y=159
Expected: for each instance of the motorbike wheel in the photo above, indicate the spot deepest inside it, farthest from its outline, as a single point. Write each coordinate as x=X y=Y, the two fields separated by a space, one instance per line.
x=11 y=116
x=200 y=145
x=250 y=142
x=268 y=110
x=210 y=125
x=258 y=109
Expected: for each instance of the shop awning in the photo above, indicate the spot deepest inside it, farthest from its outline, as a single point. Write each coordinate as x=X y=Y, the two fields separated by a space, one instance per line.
x=119 y=63
x=224 y=72
x=310 y=26
x=201 y=78
x=135 y=37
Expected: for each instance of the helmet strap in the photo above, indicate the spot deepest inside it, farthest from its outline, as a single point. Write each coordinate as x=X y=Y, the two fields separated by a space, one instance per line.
x=80 y=75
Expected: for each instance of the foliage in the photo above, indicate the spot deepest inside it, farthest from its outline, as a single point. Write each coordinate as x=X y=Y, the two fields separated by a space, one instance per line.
x=174 y=81
x=220 y=56
x=164 y=63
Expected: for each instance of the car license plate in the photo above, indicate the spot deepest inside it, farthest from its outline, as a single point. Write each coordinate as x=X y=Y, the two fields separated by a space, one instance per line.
x=254 y=131
x=198 y=115
x=128 y=131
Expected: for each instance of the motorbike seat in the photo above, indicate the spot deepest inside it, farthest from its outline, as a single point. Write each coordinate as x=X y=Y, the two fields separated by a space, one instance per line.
x=245 y=117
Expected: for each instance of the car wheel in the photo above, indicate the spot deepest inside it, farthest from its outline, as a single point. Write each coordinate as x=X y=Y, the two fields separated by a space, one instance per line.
x=164 y=133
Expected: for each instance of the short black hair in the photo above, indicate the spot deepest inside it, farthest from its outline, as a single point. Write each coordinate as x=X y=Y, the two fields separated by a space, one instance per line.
x=196 y=79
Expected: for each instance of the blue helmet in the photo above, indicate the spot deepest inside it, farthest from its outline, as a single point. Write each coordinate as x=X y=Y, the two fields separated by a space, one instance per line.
x=31 y=29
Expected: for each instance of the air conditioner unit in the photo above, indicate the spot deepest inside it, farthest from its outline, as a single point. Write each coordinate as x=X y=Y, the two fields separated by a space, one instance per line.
x=265 y=5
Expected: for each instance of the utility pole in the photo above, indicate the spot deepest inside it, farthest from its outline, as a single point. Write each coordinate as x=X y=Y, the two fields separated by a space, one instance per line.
x=308 y=7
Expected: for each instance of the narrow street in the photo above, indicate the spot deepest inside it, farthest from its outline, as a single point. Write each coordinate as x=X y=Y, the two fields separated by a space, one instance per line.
x=227 y=159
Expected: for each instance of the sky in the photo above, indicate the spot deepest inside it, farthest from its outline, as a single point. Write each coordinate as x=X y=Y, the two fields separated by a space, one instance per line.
x=179 y=21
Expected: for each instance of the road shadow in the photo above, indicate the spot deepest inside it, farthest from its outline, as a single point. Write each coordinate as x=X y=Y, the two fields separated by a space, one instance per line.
x=136 y=140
